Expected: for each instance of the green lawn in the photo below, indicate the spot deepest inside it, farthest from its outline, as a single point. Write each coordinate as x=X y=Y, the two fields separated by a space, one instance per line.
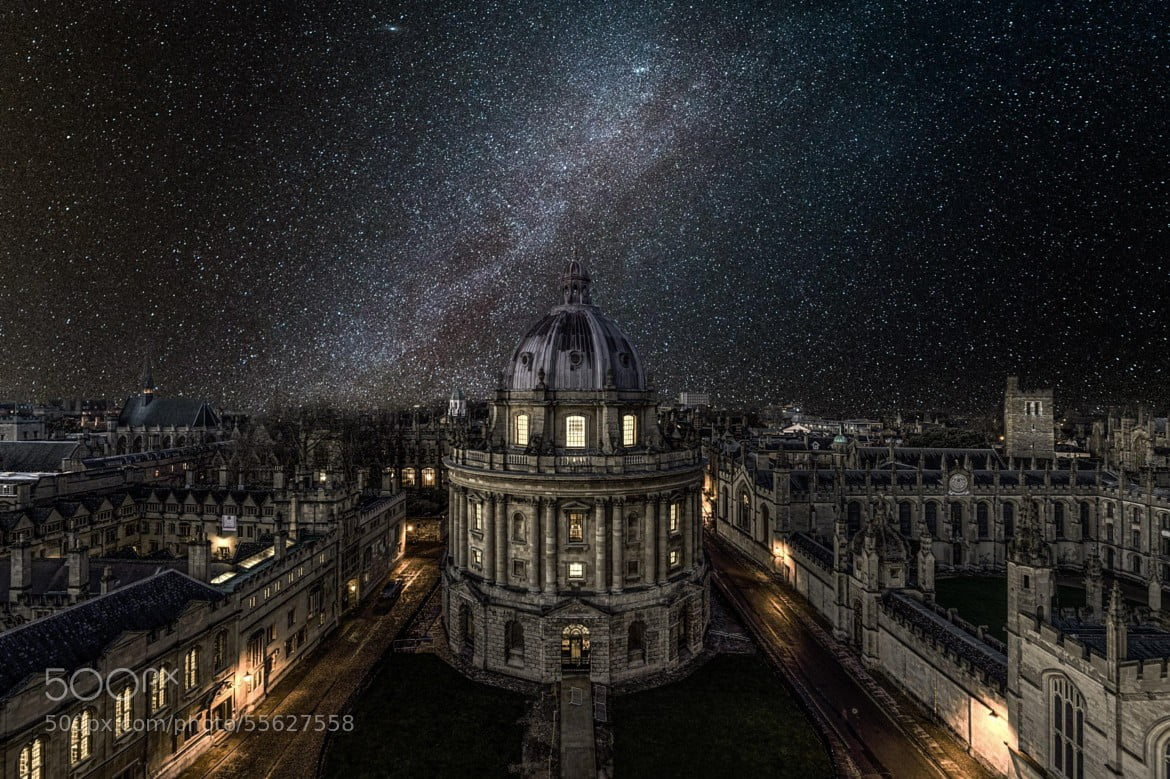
x=732 y=718
x=420 y=718
x=982 y=600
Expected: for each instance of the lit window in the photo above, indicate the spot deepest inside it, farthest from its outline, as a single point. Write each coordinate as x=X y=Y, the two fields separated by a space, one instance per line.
x=576 y=570
x=408 y=477
x=575 y=432
x=191 y=669
x=1068 y=729
x=428 y=477
x=521 y=432
x=675 y=558
x=123 y=711
x=158 y=689
x=32 y=760
x=576 y=527
x=80 y=737
x=629 y=430
x=477 y=516
x=673 y=517
x=477 y=558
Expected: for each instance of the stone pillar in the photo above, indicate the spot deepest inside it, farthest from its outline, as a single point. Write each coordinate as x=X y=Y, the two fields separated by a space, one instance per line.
x=663 y=518
x=619 y=544
x=534 y=537
x=459 y=536
x=489 y=538
x=650 y=540
x=697 y=529
x=599 y=539
x=501 y=539
x=687 y=526
x=550 y=547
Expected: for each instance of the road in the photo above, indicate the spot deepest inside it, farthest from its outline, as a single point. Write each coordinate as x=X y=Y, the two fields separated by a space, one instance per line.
x=322 y=684
x=874 y=736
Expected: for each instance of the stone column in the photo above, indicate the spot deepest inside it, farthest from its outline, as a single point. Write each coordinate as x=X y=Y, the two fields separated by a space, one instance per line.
x=489 y=538
x=550 y=547
x=599 y=536
x=619 y=544
x=687 y=519
x=649 y=540
x=459 y=537
x=662 y=510
x=535 y=553
x=503 y=532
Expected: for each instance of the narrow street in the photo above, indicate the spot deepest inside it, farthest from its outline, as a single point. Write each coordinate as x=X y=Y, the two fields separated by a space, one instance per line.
x=322 y=684
x=874 y=736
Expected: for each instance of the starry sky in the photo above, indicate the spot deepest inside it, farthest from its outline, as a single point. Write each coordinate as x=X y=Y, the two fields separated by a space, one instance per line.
x=861 y=205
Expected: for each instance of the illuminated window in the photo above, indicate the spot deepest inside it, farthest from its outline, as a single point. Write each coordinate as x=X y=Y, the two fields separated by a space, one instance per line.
x=575 y=432
x=1068 y=729
x=123 y=711
x=629 y=430
x=191 y=669
x=408 y=477
x=158 y=689
x=576 y=570
x=520 y=437
x=576 y=527
x=674 y=512
x=428 y=477
x=32 y=760
x=80 y=737
x=477 y=516
x=477 y=558
x=675 y=558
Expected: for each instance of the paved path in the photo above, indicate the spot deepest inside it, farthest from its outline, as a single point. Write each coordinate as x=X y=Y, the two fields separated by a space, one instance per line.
x=322 y=684
x=881 y=736
x=578 y=745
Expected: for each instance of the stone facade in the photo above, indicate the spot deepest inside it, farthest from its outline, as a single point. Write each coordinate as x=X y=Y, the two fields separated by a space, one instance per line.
x=575 y=525
x=1029 y=428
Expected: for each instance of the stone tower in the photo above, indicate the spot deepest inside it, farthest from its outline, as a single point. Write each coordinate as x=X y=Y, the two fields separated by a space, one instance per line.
x=1028 y=428
x=575 y=535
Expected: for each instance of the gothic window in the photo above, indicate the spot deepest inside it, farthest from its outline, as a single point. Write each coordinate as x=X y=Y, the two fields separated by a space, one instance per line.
x=1109 y=532
x=520 y=431
x=636 y=642
x=932 y=519
x=956 y=518
x=513 y=641
x=428 y=477
x=518 y=527
x=32 y=760
x=1166 y=760
x=904 y=511
x=1085 y=521
x=1058 y=519
x=629 y=430
x=576 y=527
x=765 y=521
x=81 y=736
x=1068 y=729
x=981 y=520
x=1009 y=520
x=123 y=712
x=1108 y=511
x=575 y=432
x=744 y=520
x=158 y=689
x=191 y=669
x=408 y=477
x=853 y=516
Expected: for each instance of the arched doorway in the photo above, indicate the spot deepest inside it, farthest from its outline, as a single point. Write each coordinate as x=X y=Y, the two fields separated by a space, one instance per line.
x=575 y=647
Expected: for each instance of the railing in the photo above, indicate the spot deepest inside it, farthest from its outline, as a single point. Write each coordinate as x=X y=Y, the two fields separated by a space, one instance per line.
x=577 y=463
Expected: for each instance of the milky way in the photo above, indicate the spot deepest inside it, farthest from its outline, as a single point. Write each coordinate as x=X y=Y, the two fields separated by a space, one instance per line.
x=860 y=205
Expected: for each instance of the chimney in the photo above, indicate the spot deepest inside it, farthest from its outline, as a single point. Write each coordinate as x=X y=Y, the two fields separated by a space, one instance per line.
x=279 y=542
x=77 y=563
x=199 y=559
x=107 y=582
x=20 y=573
x=278 y=477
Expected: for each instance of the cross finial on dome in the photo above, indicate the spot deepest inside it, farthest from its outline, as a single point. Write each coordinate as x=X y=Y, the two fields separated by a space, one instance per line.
x=575 y=282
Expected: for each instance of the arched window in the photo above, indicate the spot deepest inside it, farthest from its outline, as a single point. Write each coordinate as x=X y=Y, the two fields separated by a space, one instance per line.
x=1009 y=520
x=219 y=653
x=158 y=688
x=932 y=519
x=191 y=669
x=518 y=527
x=1058 y=519
x=1068 y=729
x=629 y=430
x=513 y=641
x=1085 y=521
x=408 y=477
x=853 y=516
x=1136 y=564
x=428 y=477
x=81 y=737
x=904 y=512
x=636 y=643
x=575 y=432
x=984 y=526
x=32 y=760
x=744 y=520
x=1109 y=511
x=957 y=519
x=123 y=711
x=520 y=430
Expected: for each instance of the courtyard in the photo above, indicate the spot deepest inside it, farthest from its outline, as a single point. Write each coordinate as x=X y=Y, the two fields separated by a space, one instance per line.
x=982 y=600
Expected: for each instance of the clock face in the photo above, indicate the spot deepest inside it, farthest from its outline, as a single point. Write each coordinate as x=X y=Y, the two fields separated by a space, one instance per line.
x=958 y=483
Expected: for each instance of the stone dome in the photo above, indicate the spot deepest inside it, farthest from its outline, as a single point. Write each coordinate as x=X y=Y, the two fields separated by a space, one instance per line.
x=575 y=347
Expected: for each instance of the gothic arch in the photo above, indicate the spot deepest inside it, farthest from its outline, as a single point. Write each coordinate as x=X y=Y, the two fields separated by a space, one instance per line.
x=1158 y=749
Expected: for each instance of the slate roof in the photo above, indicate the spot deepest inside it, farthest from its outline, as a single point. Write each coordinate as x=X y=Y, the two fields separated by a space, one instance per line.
x=1144 y=642
x=932 y=456
x=51 y=574
x=153 y=411
x=812 y=548
x=35 y=456
x=79 y=635
x=956 y=640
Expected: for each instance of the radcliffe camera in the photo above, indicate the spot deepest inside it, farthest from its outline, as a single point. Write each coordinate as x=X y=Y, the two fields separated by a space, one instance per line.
x=584 y=390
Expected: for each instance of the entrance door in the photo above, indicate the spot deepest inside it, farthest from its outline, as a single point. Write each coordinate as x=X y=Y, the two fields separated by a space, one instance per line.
x=575 y=647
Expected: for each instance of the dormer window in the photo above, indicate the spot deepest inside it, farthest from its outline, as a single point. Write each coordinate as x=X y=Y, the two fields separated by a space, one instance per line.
x=629 y=430
x=575 y=432
x=520 y=431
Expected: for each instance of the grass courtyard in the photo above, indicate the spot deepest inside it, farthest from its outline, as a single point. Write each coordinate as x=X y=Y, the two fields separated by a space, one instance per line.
x=730 y=718
x=982 y=600
x=420 y=717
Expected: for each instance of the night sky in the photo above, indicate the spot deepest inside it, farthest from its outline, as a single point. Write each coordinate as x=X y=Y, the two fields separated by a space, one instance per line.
x=856 y=204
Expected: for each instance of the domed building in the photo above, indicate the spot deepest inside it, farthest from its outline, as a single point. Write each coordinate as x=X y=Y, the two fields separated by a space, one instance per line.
x=575 y=526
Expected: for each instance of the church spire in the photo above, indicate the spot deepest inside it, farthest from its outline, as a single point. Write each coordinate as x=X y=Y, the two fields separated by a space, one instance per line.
x=146 y=378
